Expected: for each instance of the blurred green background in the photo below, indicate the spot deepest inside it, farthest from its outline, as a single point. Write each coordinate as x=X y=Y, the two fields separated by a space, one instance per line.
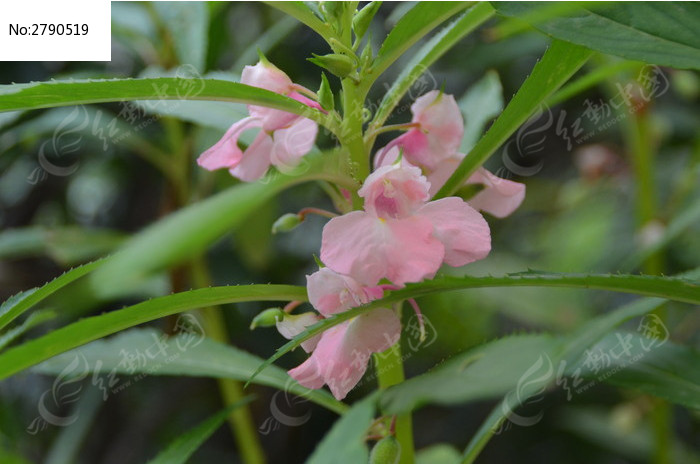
x=75 y=182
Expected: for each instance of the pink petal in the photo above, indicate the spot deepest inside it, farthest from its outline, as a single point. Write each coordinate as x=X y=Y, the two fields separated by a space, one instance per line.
x=442 y=171
x=303 y=99
x=461 y=229
x=330 y=292
x=292 y=143
x=439 y=115
x=226 y=153
x=267 y=76
x=394 y=191
x=419 y=148
x=271 y=118
x=370 y=248
x=292 y=325
x=256 y=159
x=500 y=197
x=308 y=373
x=341 y=357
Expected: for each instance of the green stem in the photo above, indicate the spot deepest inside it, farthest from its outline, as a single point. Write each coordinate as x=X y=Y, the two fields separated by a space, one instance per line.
x=351 y=135
x=640 y=147
x=240 y=419
x=389 y=367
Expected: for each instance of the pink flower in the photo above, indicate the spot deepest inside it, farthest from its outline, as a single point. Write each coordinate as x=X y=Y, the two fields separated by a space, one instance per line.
x=331 y=293
x=341 y=356
x=439 y=131
x=499 y=197
x=400 y=236
x=292 y=325
x=283 y=137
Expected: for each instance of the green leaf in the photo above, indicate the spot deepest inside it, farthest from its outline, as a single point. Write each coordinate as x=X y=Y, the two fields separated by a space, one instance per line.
x=572 y=348
x=414 y=25
x=480 y=104
x=494 y=369
x=180 y=449
x=557 y=65
x=187 y=232
x=673 y=288
x=186 y=355
x=88 y=329
x=219 y=115
x=663 y=33
x=65 y=93
x=659 y=368
x=345 y=442
x=65 y=245
x=18 y=304
x=441 y=453
x=363 y=18
x=32 y=321
x=488 y=371
x=187 y=24
x=303 y=14
x=437 y=46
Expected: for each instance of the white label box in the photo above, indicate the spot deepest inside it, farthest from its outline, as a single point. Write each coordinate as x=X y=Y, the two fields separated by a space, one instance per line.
x=60 y=30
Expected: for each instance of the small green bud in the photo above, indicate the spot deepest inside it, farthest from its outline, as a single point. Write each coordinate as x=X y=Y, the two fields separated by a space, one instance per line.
x=363 y=18
x=267 y=318
x=386 y=451
x=332 y=11
x=286 y=222
x=325 y=94
x=366 y=56
x=338 y=64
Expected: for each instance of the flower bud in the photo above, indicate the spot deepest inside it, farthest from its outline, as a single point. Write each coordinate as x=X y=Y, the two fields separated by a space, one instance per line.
x=363 y=18
x=267 y=318
x=325 y=94
x=386 y=451
x=286 y=223
x=332 y=11
x=338 y=64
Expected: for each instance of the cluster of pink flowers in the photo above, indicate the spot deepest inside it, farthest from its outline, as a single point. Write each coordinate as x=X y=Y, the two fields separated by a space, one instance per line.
x=283 y=138
x=399 y=237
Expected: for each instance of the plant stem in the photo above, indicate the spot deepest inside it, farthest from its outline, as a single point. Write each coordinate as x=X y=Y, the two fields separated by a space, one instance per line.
x=389 y=367
x=240 y=419
x=351 y=129
x=640 y=147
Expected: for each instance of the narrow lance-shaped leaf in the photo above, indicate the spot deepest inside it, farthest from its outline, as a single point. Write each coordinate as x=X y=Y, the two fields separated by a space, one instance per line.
x=304 y=14
x=664 y=33
x=414 y=25
x=429 y=53
x=345 y=442
x=64 y=93
x=673 y=288
x=187 y=232
x=184 y=354
x=557 y=65
x=188 y=25
x=17 y=305
x=86 y=330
